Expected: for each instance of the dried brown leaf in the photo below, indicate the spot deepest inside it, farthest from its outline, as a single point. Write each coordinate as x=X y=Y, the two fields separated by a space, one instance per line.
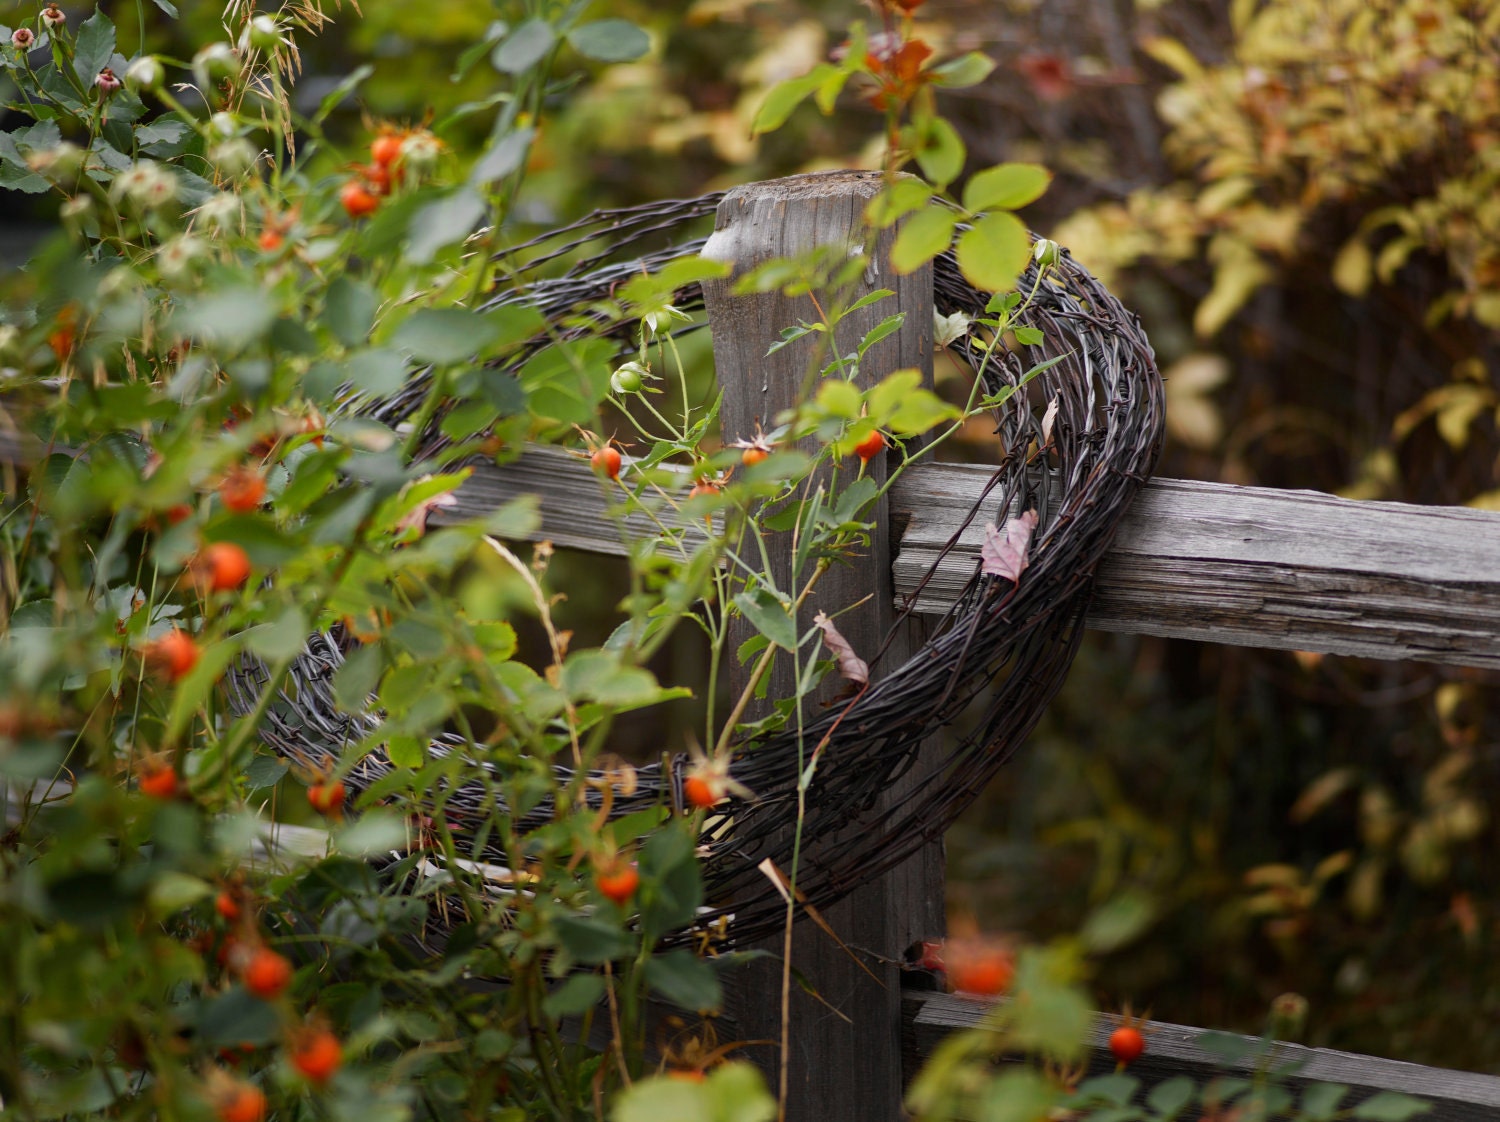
x=851 y=666
x=1004 y=554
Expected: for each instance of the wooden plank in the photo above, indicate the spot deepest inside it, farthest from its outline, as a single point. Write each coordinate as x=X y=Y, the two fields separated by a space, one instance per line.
x=1172 y=1050
x=835 y=1068
x=1247 y=566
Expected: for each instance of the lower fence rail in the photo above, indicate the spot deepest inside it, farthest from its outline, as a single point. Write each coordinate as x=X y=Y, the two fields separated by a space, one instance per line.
x=1182 y=1050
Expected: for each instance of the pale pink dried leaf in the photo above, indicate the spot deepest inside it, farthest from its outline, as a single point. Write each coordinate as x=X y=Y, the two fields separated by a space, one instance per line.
x=1048 y=418
x=850 y=664
x=1004 y=554
x=416 y=518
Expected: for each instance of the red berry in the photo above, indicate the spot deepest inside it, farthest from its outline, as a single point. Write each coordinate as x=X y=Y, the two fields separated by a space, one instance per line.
x=978 y=965
x=752 y=456
x=357 y=199
x=385 y=149
x=227 y=906
x=705 y=487
x=1127 y=1043
x=243 y=489
x=377 y=178
x=318 y=1055
x=174 y=654
x=241 y=1102
x=701 y=792
x=619 y=883
x=606 y=461
x=271 y=240
x=266 y=973
x=158 y=782
x=326 y=798
x=870 y=447
x=223 y=567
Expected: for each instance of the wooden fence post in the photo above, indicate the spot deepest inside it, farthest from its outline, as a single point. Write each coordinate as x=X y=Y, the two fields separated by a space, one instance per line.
x=839 y=1069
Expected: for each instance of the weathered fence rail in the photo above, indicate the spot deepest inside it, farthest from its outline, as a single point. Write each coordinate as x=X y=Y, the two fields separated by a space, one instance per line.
x=1456 y=1096
x=1248 y=566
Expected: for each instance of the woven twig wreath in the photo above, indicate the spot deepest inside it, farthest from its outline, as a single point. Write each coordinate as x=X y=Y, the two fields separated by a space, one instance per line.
x=983 y=678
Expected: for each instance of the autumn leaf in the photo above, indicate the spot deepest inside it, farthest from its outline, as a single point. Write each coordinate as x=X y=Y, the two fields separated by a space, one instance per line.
x=1048 y=418
x=1004 y=554
x=851 y=665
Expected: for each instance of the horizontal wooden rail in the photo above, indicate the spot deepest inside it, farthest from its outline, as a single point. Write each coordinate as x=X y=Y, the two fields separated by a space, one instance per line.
x=1249 y=566
x=1172 y=1050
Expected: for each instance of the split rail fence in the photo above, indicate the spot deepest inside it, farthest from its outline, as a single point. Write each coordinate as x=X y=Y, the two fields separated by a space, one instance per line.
x=1290 y=570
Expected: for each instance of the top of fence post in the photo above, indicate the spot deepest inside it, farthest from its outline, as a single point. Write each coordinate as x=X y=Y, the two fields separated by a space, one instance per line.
x=844 y=1064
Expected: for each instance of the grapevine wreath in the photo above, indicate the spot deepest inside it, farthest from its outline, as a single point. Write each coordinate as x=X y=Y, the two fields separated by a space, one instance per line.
x=991 y=664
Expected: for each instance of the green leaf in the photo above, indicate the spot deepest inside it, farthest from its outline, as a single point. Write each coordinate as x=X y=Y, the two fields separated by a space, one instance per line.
x=1120 y=920
x=1320 y=1101
x=599 y=675
x=784 y=98
x=444 y=335
x=922 y=237
x=591 y=941
x=769 y=615
x=1029 y=336
x=1017 y=1096
x=1116 y=1089
x=663 y=1099
x=265 y=771
x=919 y=411
x=576 y=996
x=992 y=254
x=162 y=138
x=966 y=70
x=941 y=153
x=739 y=1094
x=282 y=638
x=172 y=892
x=442 y=223
x=350 y=311
x=897 y=201
x=234 y=1018
x=567 y=381
x=685 y=980
x=524 y=47
x=358 y=678
x=93 y=47
x=372 y=834
x=168 y=7
x=378 y=372
x=672 y=888
x=885 y=327
x=1390 y=1106
x=1168 y=1098
x=406 y=751
x=839 y=398
x=502 y=157
x=231 y=318
x=335 y=97
x=1005 y=187
x=609 y=40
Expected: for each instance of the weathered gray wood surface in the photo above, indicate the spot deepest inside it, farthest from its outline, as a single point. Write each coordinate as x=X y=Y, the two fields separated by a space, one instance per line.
x=1171 y=1050
x=836 y=1068
x=1250 y=566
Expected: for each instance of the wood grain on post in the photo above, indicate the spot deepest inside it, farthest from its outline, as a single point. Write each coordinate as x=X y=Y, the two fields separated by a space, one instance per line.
x=839 y=1069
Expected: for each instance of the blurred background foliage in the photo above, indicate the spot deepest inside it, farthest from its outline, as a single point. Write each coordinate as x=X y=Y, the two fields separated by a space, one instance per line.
x=1299 y=197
